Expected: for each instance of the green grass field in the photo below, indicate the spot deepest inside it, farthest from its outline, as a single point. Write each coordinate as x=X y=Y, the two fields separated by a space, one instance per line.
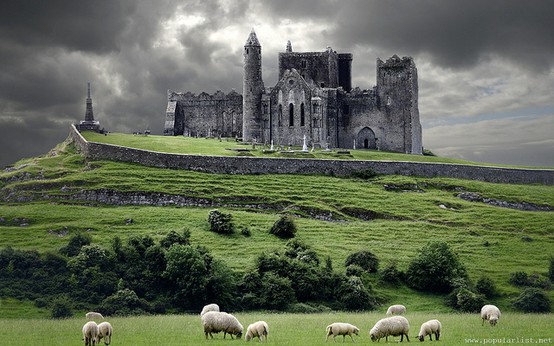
x=213 y=146
x=491 y=241
x=284 y=329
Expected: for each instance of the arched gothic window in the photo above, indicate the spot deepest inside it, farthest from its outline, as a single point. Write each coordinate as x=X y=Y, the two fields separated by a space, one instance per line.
x=302 y=115
x=291 y=114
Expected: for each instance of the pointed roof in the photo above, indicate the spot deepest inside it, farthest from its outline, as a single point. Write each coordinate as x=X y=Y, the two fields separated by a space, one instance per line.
x=252 y=40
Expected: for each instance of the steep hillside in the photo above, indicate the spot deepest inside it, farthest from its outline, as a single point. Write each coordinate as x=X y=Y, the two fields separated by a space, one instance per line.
x=496 y=229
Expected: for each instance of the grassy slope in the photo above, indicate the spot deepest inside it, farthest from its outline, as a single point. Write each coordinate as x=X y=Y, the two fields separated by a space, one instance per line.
x=212 y=146
x=488 y=239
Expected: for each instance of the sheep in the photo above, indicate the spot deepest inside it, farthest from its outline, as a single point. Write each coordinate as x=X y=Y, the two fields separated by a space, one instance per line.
x=490 y=313
x=343 y=329
x=209 y=307
x=94 y=315
x=429 y=328
x=395 y=325
x=216 y=321
x=396 y=310
x=257 y=329
x=90 y=333
x=105 y=331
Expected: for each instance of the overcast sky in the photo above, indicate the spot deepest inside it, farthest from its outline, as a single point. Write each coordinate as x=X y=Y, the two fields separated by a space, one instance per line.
x=486 y=68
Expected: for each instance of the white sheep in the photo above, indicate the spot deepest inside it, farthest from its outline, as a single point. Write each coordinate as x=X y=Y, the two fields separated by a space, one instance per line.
x=105 y=331
x=395 y=326
x=343 y=329
x=429 y=328
x=257 y=329
x=90 y=333
x=397 y=309
x=216 y=321
x=490 y=313
x=209 y=307
x=94 y=316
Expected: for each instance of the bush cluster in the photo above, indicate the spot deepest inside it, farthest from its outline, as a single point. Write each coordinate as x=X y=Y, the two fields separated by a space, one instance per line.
x=286 y=279
x=221 y=222
x=435 y=268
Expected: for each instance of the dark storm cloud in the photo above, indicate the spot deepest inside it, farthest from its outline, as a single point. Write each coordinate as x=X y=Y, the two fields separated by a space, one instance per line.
x=91 y=26
x=50 y=49
x=453 y=33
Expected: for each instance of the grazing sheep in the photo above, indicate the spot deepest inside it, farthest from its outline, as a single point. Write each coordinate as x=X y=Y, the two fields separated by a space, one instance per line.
x=209 y=307
x=429 y=328
x=343 y=329
x=216 y=321
x=105 y=331
x=397 y=309
x=257 y=329
x=395 y=326
x=490 y=313
x=94 y=316
x=90 y=333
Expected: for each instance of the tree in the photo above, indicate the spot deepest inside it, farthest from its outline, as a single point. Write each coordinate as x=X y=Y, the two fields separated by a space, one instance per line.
x=276 y=292
x=435 y=268
x=187 y=271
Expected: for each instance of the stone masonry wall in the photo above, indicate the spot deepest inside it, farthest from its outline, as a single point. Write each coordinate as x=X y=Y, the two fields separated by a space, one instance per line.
x=255 y=165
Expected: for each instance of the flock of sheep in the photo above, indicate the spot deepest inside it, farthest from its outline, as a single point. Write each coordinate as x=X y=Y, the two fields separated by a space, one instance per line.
x=93 y=333
x=215 y=321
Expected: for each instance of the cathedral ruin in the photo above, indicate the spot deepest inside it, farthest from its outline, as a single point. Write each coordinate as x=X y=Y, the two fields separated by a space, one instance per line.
x=313 y=100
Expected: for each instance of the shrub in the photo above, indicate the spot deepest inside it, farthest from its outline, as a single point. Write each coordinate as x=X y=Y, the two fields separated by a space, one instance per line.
x=284 y=227
x=61 y=308
x=354 y=296
x=175 y=238
x=220 y=222
x=306 y=308
x=75 y=243
x=364 y=259
x=486 y=287
x=298 y=250
x=435 y=268
x=276 y=292
x=532 y=299
x=245 y=232
x=519 y=279
x=124 y=302
x=354 y=270
x=469 y=301
x=391 y=274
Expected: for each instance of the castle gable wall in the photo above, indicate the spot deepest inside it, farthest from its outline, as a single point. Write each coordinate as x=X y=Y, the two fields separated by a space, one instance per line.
x=205 y=114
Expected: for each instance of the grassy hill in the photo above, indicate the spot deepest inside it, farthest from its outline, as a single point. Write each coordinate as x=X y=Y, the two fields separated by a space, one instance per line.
x=392 y=216
x=228 y=147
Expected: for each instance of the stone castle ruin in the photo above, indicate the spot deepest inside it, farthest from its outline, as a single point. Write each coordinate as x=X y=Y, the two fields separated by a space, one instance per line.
x=313 y=101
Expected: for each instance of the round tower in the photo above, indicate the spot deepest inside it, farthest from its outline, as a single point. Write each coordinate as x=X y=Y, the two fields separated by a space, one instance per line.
x=253 y=88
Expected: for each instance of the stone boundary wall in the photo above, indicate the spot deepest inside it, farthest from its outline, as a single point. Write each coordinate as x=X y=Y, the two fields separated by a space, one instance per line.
x=256 y=165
